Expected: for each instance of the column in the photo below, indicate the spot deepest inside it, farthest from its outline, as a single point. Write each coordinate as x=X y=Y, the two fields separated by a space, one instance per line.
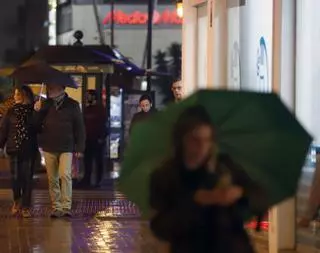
x=189 y=47
x=217 y=44
x=282 y=218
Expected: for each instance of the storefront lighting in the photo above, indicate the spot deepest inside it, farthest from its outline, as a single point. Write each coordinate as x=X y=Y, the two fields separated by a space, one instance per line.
x=179 y=6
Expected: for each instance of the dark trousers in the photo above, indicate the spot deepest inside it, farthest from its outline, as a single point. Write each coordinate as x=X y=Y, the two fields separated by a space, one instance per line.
x=22 y=169
x=93 y=154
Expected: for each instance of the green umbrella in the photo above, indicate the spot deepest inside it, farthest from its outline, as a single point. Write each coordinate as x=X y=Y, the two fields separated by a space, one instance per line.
x=255 y=129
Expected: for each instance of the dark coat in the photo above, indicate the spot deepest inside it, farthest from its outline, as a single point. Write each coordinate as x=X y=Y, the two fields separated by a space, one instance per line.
x=141 y=116
x=10 y=131
x=189 y=227
x=95 y=117
x=61 y=130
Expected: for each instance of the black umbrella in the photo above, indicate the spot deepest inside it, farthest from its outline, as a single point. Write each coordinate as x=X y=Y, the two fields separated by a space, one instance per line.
x=42 y=73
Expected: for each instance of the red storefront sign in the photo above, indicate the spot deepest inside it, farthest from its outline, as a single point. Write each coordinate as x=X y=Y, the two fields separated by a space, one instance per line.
x=166 y=17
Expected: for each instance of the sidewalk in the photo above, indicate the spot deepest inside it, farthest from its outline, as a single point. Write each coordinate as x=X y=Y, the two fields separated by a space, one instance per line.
x=104 y=221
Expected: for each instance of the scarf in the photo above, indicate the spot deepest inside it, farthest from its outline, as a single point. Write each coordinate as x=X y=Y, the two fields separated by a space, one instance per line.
x=21 y=112
x=58 y=101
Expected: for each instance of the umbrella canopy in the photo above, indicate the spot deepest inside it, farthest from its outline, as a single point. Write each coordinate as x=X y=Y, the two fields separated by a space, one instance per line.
x=256 y=130
x=42 y=73
x=122 y=63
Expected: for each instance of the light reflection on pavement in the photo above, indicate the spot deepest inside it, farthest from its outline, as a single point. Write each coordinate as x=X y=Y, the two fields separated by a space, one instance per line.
x=103 y=222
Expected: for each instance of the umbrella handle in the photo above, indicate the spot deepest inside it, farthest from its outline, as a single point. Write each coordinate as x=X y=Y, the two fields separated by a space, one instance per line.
x=41 y=91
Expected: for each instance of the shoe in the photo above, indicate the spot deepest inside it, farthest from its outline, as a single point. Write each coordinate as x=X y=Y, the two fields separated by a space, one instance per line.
x=26 y=213
x=55 y=213
x=67 y=213
x=15 y=208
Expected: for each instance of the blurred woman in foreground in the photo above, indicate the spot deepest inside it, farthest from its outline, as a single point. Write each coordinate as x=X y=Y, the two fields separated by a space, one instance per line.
x=198 y=195
x=18 y=135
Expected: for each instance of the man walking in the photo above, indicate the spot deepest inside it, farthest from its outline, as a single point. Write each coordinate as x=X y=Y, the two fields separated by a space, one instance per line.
x=62 y=134
x=95 y=116
x=177 y=90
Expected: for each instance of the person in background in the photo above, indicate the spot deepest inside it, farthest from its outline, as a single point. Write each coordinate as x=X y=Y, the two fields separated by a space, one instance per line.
x=177 y=90
x=62 y=135
x=146 y=110
x=95 y=117
x=18 y=134
x=197 y=197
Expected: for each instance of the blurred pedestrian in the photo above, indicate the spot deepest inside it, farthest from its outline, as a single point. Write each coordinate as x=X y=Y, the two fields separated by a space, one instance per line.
x=95 y=116
x=146 y=110
x=18 y=135
x=197 y=195
x=177 y=90
x=62 y=134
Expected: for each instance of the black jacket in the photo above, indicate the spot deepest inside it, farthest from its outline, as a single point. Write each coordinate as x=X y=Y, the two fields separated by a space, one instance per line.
x=61 y=130
x=140 y=116
x=189 y=227
x=11 y=131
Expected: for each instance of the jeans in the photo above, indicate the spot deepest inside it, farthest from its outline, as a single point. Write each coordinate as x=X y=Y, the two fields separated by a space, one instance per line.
x=93 y=154
x=22 y=168
x=58 y=167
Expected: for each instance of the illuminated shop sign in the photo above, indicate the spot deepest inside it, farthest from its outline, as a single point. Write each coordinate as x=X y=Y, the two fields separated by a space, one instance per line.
x=165 y=17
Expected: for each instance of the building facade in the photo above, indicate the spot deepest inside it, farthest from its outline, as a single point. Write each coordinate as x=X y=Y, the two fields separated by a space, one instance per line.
x=264 y=46
x=23 y=28
x=130 y=25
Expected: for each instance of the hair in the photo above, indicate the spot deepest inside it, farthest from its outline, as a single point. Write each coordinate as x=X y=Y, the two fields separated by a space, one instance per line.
x=92 y=93
x=175 y=80
x=145 y=97
x=188 y=120
x=26 y=93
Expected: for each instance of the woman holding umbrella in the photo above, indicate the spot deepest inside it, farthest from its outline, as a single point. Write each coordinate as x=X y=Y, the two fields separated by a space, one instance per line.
x=19 y=136
x=197 y=198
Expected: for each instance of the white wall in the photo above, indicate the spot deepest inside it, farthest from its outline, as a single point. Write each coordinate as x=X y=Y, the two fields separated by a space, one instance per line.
x=308 y=65
x=255 y=22
x=202 y=37
x=237 y=53
x=234 y=61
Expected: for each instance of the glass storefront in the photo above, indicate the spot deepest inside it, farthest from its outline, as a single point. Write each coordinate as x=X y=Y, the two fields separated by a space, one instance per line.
x=116 y=98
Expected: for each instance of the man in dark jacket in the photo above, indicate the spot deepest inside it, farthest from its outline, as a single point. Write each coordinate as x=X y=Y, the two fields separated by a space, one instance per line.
x=145 y=104
x=177 y=90
x=62 y=134
x=95 y=117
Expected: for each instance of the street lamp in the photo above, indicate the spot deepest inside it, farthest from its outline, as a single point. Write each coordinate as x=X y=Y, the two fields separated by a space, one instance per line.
x=179 y=7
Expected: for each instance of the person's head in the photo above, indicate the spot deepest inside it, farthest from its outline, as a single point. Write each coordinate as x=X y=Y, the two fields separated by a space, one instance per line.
x=194 y=137
x=54 y=90
x=91 y=97
x=177 y=90
x=145 y=103
x=23 y=95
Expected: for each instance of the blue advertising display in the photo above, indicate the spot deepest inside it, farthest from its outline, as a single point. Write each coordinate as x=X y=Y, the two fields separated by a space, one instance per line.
x=263 y=84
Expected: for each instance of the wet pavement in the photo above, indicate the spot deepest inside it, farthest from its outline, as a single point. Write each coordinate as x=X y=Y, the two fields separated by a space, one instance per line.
x=103 y=221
